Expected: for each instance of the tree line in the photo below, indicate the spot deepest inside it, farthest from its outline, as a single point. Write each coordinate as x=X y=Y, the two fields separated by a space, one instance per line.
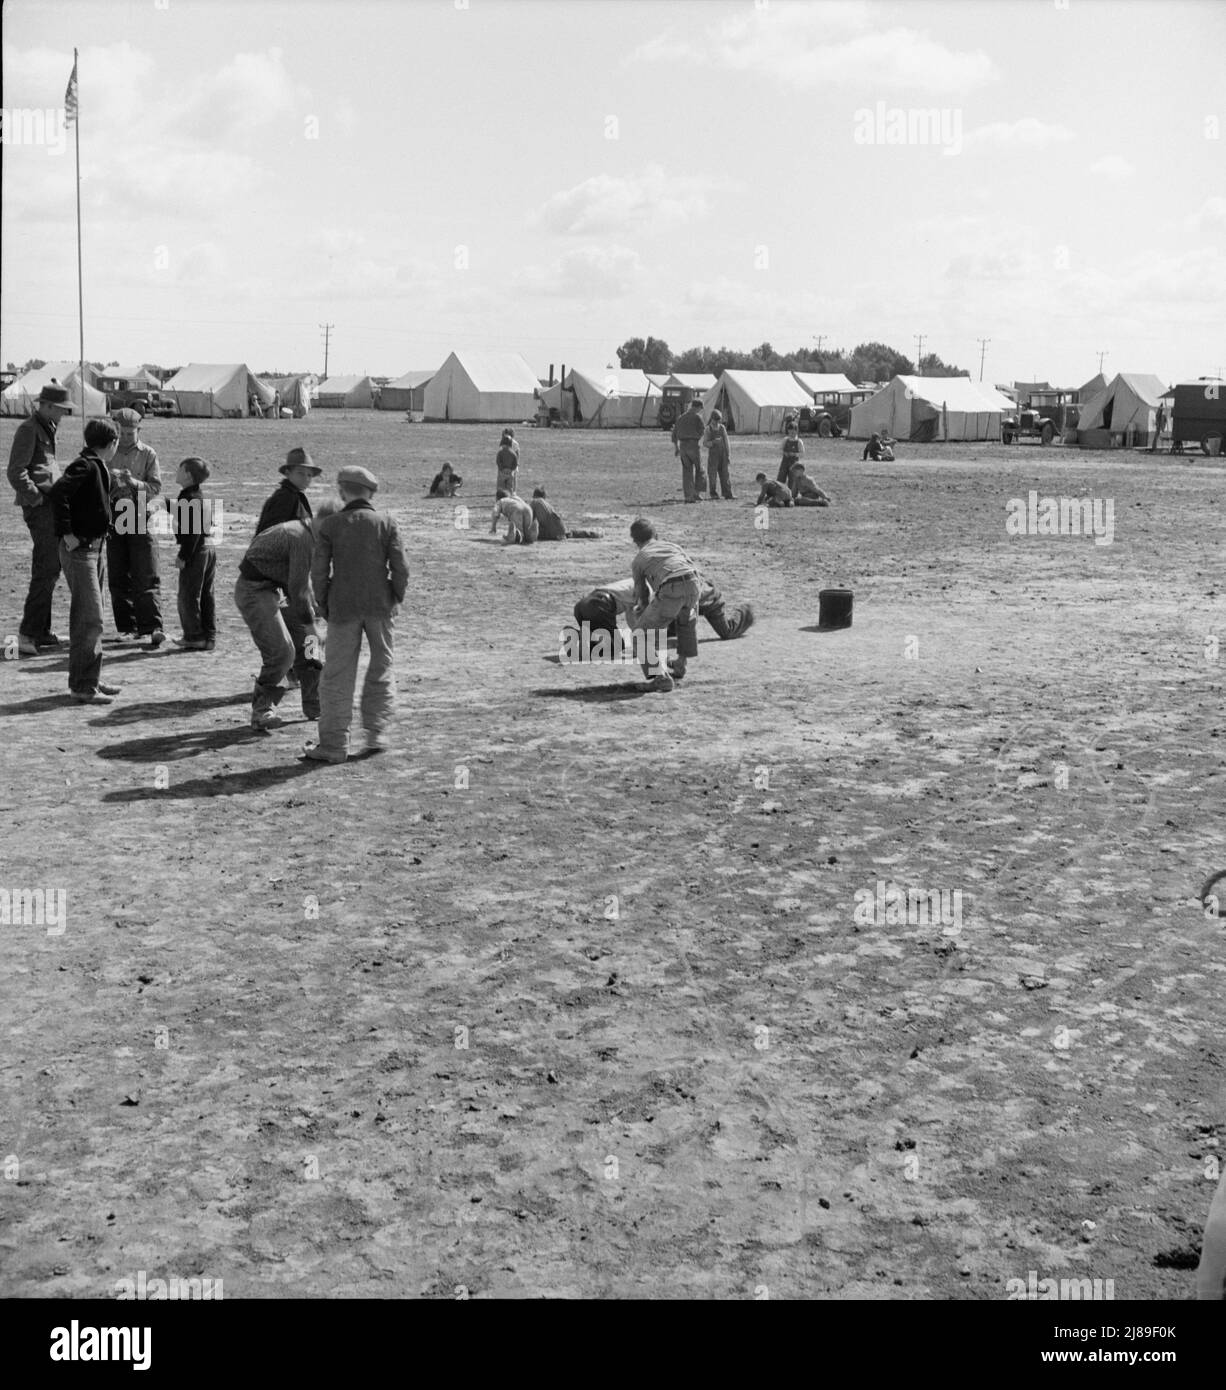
x=866 y=362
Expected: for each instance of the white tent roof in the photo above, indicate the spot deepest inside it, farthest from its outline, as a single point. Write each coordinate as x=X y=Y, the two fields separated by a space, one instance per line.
x=696 y=381
x=409 y=380
x=818 y=382
x=957 y=392
x=657 y=378
x=615 y=381
x=129 y=374
x=213 y=376
x=19 y=394
x=1134 y=393
x=497 y=372
x=769 y=388
x=341 y=385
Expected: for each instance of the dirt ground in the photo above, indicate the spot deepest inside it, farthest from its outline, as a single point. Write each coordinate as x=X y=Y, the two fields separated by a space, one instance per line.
x=567 y=994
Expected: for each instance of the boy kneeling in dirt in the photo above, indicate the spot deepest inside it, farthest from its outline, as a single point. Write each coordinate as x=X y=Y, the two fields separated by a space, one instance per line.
x=772 y=494
x=521 y=524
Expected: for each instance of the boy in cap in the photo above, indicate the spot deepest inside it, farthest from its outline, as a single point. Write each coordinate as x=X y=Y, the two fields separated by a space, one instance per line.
x=80 y=504
x=290 y=502
x=666 y=588
x=359 y=574
x=32 y=471
x=278 y=561
x=131 y=551
x=718 y=457
x=197 y=559
x=521 y=524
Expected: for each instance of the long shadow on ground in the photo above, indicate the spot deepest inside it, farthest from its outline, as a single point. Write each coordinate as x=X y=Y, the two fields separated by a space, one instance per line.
x=166 y=748
x=167 y=709
x=223 y=784
x=595 y=694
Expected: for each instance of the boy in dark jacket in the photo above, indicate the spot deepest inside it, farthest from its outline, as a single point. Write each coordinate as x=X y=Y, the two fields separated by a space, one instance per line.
x=197 y=559
x=81 y=505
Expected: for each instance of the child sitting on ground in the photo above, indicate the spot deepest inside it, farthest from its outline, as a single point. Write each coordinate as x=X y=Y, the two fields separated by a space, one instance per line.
x=805 y=492
x=772 y=494
x=446 y=483
x=550 y=526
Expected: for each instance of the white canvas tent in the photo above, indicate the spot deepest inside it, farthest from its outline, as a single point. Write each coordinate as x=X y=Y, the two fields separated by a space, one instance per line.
x=21 y=396
x=407 y=392
x=345 y=393
x=926 y=408
x=609 y=398
x=127 y=379
x=755 y=402
x=825 y=383
x=217 y=391
x=295 y=392
x=488 y=387
x=696 y=381
x=658 y=378
x=1121 y=413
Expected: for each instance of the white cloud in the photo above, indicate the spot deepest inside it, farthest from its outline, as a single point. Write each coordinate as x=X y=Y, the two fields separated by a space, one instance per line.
x=1029 y=133
x=612 y=203
x=585 y=273
x=250 y=92
x=1210 y=214
x=1114 y=167
x=812 y=45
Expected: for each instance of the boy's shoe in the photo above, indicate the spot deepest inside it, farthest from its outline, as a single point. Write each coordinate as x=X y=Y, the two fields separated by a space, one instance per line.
x=156 y=638
x=676 y=670
x=375 y=743
x=191 y=644
x=321 y=755
x=660 y=683
x=109 y=689
x=26 y=646
x=50 y=639
x=746 y=616
x=210 y=644
x=92 y=697
x=263 y=719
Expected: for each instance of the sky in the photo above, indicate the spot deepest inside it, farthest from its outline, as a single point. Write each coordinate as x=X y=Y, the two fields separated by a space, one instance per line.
x=555 y=176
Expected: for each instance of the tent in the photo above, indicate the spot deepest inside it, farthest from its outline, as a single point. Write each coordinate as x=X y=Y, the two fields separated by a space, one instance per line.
x=217 y=391
x=127 y=379
x=1122 y=413
x=612 y=398
x=927 y=408
x=491 y=387
x=754 y=402
x=1096 y=383
x=345 y=393
x=407 y=392
x=696 y=381
x=295 y=392
x=658 y=379
x=826 y=383
x=21 y=396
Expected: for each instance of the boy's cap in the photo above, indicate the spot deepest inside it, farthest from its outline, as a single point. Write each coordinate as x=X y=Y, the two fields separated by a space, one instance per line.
x=299 y=458
x=356 y=476
x=127 y=416
x=55 y=394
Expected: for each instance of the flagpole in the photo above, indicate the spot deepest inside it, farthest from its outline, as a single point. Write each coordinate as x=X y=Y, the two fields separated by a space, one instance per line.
x=80 y=273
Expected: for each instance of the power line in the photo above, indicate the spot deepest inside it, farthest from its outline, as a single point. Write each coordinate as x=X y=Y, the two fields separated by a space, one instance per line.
x=919 y=353
x=327 y=330
x=983 y=352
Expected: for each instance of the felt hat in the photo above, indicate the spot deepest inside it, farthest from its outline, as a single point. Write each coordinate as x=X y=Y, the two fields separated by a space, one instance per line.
x=299 y=458
x=55 y=394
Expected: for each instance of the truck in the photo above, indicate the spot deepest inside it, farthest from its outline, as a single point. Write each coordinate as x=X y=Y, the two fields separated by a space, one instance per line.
x=675 y=403
x=1040 y=417
x=1199 y=416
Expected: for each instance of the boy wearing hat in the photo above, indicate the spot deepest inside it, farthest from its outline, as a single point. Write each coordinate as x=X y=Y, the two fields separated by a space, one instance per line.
x=80 y=503
x=131 y=552
x=290 y=502
x=359 y=574
x=718 y=456
x=32 y=471
x=687 y=433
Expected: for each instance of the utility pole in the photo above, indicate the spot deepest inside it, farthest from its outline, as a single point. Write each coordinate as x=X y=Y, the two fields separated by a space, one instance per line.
x=919 y=353
x=1101 y=355
x=327 y=332
x=983 y=352
x=819 y=338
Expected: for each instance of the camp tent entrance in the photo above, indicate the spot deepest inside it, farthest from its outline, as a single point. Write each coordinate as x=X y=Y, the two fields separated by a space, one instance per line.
x=756 y=402
x=482 y=387
x=217 y=391
x=615 y=398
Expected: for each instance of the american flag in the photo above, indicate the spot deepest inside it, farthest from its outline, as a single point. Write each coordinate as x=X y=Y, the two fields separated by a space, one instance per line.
x=70 y=96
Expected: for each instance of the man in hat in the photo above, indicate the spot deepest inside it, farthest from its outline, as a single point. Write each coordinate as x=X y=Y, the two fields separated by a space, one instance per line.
x=277 y=561
x=80 y=504
x=687 y=433
x=290 y=502
x=359 y=575
x=32 y=471
x=131 y=551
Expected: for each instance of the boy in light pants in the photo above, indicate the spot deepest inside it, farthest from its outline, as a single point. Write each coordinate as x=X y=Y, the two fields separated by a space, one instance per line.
x=359 y=574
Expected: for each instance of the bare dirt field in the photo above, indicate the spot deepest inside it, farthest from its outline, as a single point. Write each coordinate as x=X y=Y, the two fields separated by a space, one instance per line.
x=568 y=994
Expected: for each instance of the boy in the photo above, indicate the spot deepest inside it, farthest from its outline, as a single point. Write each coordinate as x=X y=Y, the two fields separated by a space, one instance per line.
x=80 y=504
x=446 y=483
x=550 y=526
x=793 y=450
x=805 y=492
x=687 y=432
x=278 y=561
x=878 y=449
x=508 y=462
x=718 y=455
x=131 y=550
x=521 y=524
x=197 y=560
x=290 y=502
x=359 y=575
x=772 y=494
x=666 y=588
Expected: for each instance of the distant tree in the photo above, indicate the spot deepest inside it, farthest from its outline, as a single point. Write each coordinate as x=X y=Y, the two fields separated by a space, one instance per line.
x=33 y=365
x=878 y=362
x=931 y=365
x=650 y=356
x=695 y=359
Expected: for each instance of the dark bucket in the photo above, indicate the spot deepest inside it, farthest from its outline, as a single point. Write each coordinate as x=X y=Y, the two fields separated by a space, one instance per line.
x=834 y=608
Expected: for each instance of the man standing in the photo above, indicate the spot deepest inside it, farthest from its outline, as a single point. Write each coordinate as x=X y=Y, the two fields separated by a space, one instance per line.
x=688 y=430
x=290 y=502
x=359 y=575
x=32 y=471
x=279 y=560
x=81 y=506
x=666 y=588
x=1159 y=426
x=131 y=551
